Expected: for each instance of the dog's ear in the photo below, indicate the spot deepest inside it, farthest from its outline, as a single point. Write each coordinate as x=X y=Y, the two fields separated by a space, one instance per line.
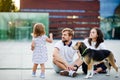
x=78 y=43
x=83 y=45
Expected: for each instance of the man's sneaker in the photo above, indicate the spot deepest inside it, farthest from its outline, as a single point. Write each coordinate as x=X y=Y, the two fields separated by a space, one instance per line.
x=42 y=75
x=33 y=74
x=68 y=73
x=64 y=73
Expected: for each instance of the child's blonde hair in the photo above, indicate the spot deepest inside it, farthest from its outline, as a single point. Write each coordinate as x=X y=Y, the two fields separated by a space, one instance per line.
x=38 y=30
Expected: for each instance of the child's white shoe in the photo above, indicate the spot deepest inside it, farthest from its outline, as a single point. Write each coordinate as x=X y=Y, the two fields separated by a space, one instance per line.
x=33 y=74
x=42 y=75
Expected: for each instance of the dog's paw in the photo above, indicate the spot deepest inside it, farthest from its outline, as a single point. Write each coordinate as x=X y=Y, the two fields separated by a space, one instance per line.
x=86 y=77
x=107 y=74
x=117 y=75
x=90 y=76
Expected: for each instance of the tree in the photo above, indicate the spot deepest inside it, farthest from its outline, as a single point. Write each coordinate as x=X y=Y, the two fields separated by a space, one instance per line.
x=7 y=6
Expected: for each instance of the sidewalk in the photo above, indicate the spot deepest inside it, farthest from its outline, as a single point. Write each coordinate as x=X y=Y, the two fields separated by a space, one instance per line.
x=16 y=62
x=50 y=75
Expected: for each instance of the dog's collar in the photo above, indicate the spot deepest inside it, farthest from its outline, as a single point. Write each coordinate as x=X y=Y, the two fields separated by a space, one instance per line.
x=84 y=51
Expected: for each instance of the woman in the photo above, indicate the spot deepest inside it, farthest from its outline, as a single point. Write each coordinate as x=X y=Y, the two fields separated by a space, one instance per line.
x=95 y=41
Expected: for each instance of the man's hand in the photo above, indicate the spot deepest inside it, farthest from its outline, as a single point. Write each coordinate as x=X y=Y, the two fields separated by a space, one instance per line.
x=70 y=67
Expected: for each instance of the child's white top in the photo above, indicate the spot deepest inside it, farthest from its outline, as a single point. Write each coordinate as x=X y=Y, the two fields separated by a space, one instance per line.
x=40 y=50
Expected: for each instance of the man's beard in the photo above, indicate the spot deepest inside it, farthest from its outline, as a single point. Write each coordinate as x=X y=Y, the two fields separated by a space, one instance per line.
x=64 y=41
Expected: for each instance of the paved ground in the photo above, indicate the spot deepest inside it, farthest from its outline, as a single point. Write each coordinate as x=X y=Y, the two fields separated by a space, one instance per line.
x=50 y=75
x=16 y=64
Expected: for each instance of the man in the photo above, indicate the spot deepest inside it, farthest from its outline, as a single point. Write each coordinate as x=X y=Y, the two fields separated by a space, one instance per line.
x=63 y=55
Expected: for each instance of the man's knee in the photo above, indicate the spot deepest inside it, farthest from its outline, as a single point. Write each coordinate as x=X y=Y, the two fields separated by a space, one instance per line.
x=55 y=67
x=54 y=60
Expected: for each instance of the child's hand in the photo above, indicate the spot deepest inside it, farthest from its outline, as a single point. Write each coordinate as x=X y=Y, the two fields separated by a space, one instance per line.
x=32 y=45
x=50 y=38
x=32 y=48
x=50 y=34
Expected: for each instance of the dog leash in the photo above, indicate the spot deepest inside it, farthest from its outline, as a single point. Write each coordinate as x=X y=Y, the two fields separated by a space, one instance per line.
x=84 y=51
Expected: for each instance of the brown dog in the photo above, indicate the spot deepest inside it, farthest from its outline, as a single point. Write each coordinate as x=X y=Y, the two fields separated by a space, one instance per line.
x=90 y=56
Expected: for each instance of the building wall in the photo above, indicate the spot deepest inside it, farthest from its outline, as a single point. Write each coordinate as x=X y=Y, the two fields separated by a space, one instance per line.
x=80 y=15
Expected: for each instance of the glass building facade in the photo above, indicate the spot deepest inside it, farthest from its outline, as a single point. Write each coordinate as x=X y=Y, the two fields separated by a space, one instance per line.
x=18 y=26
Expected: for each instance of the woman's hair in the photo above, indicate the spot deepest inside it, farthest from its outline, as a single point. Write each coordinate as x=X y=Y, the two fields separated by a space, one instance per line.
x=100 y=37
x=70 y=31
x=38 y=30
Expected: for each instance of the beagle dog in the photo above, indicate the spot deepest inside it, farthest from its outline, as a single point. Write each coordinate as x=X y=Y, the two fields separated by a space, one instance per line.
x=91 y=56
